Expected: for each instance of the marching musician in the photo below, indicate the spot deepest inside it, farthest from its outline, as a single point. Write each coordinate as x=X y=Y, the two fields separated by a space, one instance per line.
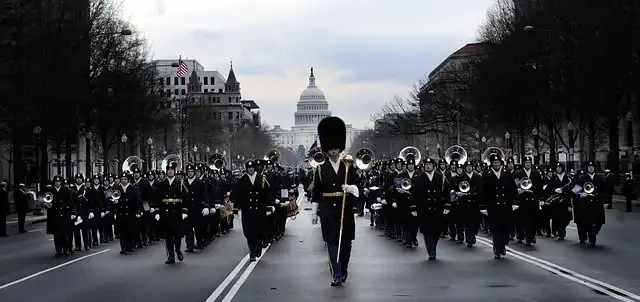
x=128 y=211
x=332 y=180
x=173 y=210
x=500 y=191
x=84 y=210
x=61 y=215
x=428 y=194
x=589 y=209
x=560 y=207
x=527 y=202
x=468 y=218
x=451 y=204
x=95 y=195
x=196 y=196
x=143 y=186
x=403 y=198
x=252 y=197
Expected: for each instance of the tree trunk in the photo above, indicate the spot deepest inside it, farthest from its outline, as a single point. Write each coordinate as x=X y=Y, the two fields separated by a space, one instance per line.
x=18 y=164
x=553 y=159
x=592 y=139
x=68 y=167
x=613 y=158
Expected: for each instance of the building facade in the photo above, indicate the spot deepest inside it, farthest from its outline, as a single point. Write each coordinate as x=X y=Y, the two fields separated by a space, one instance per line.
x=311 y=108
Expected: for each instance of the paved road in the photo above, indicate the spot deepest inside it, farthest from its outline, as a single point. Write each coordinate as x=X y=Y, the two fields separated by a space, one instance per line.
x=296 y=269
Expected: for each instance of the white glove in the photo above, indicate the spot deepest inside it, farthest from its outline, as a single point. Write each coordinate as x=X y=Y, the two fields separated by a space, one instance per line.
x=205 y=212
x=277 y=201
x=91 y=215
x=515 y=207
x=184 y=216
x=314 y=213
x=286 y=203
x=115 y=217
x=228 y=194
x=414 y=213
x=152 y=210
x=78 y=221
x=394 y=205
x=351 y=189
x=212 y=211
x=107 y=212
x=218 y=206
x=583 y=194
x=541 y=203
x=520 y=191
x=460 y=194
x=570 y=210
x=157 y=217
x=102 y=214
x=269 y=213
x=282 y=205
x=378 y=199
x=138 y=215
x=114 y=201
x=384 y=201
x=73 y=217
x=445 y=211
x=558 y=190
x=484 y=212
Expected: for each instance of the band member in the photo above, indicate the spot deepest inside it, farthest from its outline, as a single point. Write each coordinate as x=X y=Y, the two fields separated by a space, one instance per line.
x=528 y=205
x=589 y=210
x=428 y=194
x=128 y=210
x=500 y=190
x=468 y=218
x=560 y=205
x=173 y=211
x=252 y=196
x=410 y=222
x=196 y=200
x=95 y=195
x=334 y=189
x=61 y=214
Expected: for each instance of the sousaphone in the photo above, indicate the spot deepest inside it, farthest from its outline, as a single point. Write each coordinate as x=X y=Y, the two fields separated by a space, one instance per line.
x=492 y=150
x=216 y=162
x=131 y=163
x=457 y=153
x=169 y=159
x=410 y=152
x=273 y=155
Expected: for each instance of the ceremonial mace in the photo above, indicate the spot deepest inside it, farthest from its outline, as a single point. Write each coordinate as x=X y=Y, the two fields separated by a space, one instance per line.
x=344 y=201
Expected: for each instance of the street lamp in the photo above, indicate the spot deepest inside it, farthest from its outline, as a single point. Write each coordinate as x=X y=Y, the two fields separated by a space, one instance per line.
x=536 y=143
x=630 y=141
x=124 y=138
x=150 y=146
x=37 y=130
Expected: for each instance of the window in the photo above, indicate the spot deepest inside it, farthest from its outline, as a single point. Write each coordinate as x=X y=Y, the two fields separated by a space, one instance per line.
x=213 y=81
x=229 y=99
x=237 y=99
x=183 y=92
x=161 y=81
x=176 y=91
x=182 y=81
x=219 y=90
x=237 y=115
x=218 y=100
x=168 y=93
x=168 y=81
x=230 y=115
x=175 y=81
x=206 y=90
x=206 y=81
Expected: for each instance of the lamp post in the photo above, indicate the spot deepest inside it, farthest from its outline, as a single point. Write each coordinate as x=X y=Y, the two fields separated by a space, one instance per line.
x=37 y=130
x=149 y=147
x=536 y=143
x=507 y=139
x=570 y=127
x=630 y=141
x=123 y=140
x=207 y=151
x=195 y=152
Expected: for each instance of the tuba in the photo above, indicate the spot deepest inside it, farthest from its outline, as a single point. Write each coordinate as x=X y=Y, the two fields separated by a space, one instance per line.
x=489 y=151
x=588 y=187
x=216 y=162
x=464 y=186
x=364 y=157
x=410 y=152
x=272 y=155
x=169 y=159
x=130 y=163
x=457 y=153
x=317 y=157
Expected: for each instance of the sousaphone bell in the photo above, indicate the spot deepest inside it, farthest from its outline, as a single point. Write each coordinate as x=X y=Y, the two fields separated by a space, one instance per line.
x=130 y=163
x=273 y=155
x=410 y=152
x=170 y=159
x=492 y=150
x=216 y=162
x=457 y=153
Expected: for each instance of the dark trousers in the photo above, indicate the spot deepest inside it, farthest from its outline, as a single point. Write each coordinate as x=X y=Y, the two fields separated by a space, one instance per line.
x=126 y=227
x=81 y=235
x=61 y=243
x=255 y=247
x=410 y=230
x=3 y=224
x=339 y=267
x=21 y=220
x=195 y=236
x=173 y=243
x=431 y=242
x=588 y=231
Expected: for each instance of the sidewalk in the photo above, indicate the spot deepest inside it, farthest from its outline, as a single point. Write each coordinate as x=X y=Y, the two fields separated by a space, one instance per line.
x=619 y=199
x=12 y=219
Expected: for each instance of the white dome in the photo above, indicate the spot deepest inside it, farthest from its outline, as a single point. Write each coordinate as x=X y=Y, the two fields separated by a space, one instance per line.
x=312 y=93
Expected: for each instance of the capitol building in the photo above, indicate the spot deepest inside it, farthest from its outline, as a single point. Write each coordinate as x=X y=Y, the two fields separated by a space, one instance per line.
x=311 y=108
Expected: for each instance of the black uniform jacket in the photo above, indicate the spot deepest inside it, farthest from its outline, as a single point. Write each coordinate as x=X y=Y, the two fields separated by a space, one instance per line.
x=327 y=191
x=427 y=197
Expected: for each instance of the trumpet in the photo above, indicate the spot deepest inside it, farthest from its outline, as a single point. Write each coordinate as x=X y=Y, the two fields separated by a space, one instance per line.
x=456 y=153
x=405 y=184
x=317 y=159
x=464 y=186
x=526 y=183
x=588 y=187
x=410 y=152
x=364 y=157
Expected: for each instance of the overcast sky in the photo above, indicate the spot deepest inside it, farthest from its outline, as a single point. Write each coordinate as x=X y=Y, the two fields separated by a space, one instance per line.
x=364 y=52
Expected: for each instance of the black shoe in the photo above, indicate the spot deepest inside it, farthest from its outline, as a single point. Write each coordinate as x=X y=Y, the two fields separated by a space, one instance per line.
x=469 y=244
x=343 y=279
x=336 y=281
x=180 y=256
x=189 y=250
x=252 y=259
x=170 y=261
x=123 y=252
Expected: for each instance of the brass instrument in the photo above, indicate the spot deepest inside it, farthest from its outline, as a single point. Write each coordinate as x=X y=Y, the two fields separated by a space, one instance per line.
x=410 y=152
x=588 y=187
x=47 y=199
x=405 y=184
x=526 y=183
x=317 y=159
x=376 y=206
x=457 y=153
x=464 y=186
x=272 y=155
x=216 y=162
x=492 y=150
x=364 y=158
x=130 y=163
x=115 y=195
x=169 y=159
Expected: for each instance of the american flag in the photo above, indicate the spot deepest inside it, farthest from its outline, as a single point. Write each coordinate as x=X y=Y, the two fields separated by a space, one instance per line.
x=182 y=68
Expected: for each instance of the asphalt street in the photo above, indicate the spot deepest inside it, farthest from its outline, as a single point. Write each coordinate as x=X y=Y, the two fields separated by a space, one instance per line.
x=296 y=269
